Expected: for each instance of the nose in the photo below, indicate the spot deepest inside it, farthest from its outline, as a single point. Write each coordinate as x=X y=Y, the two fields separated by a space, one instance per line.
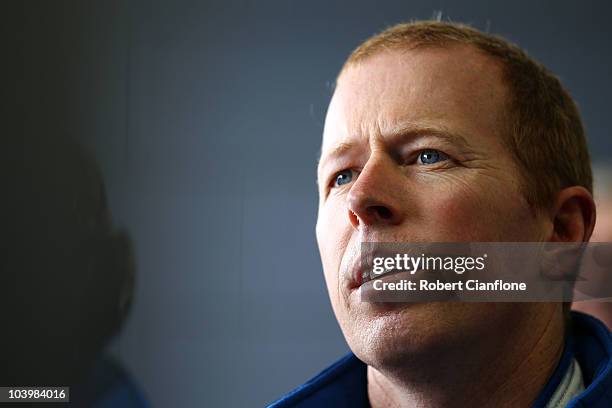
x=375 y=197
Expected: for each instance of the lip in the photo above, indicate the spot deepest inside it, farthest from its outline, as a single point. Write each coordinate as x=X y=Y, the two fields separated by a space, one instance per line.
x=369 y=294
x=354 y=277
x=352 y=273
x=358 y=270
x=361 y=261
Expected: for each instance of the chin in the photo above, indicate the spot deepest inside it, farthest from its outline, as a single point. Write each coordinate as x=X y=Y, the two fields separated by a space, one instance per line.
x=380 y=333
x=397 y=334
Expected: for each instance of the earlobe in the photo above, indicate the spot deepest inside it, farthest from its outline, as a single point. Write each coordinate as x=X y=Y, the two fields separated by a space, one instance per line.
x=573 y=215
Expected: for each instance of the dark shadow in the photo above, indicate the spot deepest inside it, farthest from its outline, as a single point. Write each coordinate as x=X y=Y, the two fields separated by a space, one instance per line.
x=67 y=274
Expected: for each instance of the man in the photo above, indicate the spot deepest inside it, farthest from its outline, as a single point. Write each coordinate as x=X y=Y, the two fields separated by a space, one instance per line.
x=439 y=133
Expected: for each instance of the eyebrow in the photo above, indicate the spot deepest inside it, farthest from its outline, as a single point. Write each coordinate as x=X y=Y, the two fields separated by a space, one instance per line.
x=401 y=134
x=338 y=150
x=404 y=131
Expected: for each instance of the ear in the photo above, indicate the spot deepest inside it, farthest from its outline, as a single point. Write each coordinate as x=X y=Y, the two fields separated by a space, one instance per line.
x=573 y=215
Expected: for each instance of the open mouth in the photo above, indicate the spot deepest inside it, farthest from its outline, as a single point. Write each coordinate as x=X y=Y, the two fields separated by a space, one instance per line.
x=380 y=260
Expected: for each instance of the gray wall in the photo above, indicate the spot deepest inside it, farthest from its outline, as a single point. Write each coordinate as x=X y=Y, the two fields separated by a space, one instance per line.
x=206 y=118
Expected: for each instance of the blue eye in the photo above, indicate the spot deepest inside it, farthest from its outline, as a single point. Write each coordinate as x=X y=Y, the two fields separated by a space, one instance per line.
x=343 y=177
x=431 y=157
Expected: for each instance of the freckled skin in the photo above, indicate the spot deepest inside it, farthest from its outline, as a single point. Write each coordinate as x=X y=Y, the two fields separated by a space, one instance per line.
x=474 y=196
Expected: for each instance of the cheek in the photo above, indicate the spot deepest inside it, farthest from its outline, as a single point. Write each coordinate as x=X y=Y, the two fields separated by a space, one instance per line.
x=476 y=215
x=603 y=224
x=333 y=233
x=452 y=220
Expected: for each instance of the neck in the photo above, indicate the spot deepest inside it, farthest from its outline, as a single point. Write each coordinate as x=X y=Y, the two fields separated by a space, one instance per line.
x=508 y=372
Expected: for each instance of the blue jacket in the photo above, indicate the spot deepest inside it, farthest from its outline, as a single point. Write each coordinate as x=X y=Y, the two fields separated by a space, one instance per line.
x=344 y=384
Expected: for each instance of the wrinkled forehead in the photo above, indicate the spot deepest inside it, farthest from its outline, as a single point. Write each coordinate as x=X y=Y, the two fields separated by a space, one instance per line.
x=452 y=87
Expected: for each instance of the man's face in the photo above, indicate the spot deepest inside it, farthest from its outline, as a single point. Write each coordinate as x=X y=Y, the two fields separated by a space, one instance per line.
x=412 y=152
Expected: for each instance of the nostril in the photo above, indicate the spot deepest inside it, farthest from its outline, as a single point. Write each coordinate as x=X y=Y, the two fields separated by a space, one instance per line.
x=383 y=212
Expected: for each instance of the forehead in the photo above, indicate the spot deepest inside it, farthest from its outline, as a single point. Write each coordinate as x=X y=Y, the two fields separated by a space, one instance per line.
x=454 y=88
